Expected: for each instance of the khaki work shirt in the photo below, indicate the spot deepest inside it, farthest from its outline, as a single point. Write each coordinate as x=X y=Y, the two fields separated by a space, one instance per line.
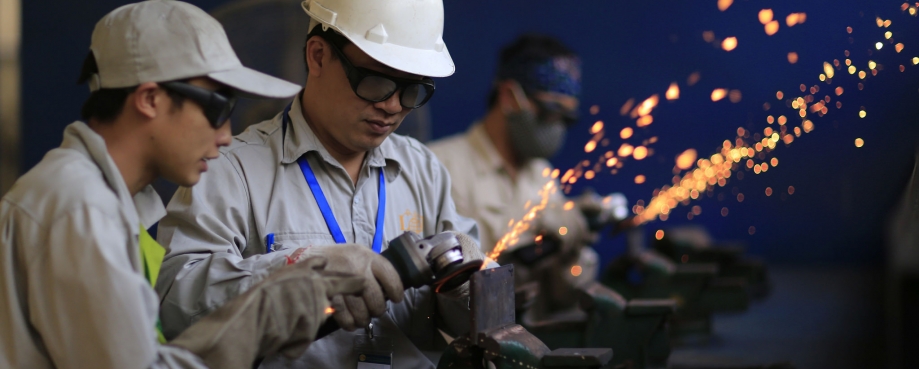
x=484 y=191
x=216 y=232
x=72 y=288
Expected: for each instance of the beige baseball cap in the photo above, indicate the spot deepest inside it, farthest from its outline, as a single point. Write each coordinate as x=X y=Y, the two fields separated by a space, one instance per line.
x=165 y=40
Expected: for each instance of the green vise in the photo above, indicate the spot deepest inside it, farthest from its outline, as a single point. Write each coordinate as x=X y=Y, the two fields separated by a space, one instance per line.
x=637 y=330
x=697 y=289
x=729 y=258
x=496 y=341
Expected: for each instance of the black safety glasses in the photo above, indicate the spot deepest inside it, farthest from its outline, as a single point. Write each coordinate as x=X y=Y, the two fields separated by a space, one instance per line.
x=217 y=105
x=553 y=110
x=374 y=86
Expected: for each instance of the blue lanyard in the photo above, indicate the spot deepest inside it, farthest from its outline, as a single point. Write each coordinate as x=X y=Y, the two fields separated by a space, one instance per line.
x=327 y=210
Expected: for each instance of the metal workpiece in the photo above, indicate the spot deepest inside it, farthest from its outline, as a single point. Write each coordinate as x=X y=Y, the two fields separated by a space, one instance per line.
x=491 y=293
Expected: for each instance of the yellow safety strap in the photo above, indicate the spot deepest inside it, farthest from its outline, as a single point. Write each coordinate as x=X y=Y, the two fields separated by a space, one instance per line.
x=152 y=254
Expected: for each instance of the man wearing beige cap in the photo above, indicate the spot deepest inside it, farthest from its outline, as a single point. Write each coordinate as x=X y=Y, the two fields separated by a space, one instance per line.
x=329 y=170
x=76 y=262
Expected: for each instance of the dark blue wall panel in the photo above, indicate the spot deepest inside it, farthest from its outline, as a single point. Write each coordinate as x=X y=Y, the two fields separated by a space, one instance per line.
x=633 y=50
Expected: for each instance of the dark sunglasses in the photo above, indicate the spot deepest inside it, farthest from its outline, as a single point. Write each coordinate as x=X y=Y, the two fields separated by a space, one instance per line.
x=217 y=105
x=550 y=110
x=374 y=86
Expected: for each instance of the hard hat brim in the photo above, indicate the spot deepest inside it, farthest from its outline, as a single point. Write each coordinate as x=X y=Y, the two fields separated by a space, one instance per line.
x=427 y=63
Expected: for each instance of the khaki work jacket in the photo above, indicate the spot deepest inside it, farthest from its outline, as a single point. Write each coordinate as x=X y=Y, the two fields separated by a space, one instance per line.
x=216 y=232
x=72 y=289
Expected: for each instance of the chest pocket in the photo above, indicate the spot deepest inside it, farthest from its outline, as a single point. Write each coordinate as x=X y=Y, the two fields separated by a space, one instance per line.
x=292 y=240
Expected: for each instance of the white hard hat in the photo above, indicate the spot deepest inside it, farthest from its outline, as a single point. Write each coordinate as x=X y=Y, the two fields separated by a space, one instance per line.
x=406 y=35
x=159 y=41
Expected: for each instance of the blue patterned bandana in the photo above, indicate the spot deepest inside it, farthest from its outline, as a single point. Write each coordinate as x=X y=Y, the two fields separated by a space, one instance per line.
x=560 y=74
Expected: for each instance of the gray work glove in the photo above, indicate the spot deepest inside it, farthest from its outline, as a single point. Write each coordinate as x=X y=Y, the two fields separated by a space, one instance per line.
x=567 y=227
x=382 y=282
x=280 y=314
x=603 y=210
x=471 y=251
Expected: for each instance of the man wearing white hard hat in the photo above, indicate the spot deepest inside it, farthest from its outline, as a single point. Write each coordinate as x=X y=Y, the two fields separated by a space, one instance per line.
x=76 y=262
x=326 y=170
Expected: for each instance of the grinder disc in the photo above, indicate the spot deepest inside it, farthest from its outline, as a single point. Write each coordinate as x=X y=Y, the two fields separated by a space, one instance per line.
x=455 y=275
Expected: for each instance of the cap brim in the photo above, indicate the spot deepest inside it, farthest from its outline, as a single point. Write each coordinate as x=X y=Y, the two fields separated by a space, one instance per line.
x=254 y=84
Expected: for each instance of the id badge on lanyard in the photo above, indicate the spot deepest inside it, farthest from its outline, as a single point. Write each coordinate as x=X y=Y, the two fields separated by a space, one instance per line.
x=372 y=351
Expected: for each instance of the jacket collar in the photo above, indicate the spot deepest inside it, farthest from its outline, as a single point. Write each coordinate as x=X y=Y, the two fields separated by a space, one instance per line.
x=146 y=206
x=300 y=139
x=484 y=148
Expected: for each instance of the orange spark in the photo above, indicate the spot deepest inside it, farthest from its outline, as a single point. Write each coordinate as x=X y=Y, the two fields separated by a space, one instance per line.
x=795 y=18
x=772 y=27
x=718 y=94
x=639 y=179
x=522 y=225
x=694 y=78
x=792 y=57
x=626 y=133
x=625 y=150
x=735 y=96
x=590 y=146
x=644 y=121
x=626 y=107
x=808 y=126
x=685 y=160
x=708 y=36
x=729 y=43
x=646 y=106
x=576 y=271
x=640 y=152
x=597 y=127
x=673 y=92
x=765 y=16
x=724 y=4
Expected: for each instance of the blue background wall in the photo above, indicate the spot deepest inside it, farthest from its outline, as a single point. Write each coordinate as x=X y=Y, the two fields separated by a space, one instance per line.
x=633 y=50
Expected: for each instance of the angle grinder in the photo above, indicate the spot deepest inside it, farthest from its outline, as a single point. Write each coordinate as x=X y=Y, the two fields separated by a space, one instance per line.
x=435 y=261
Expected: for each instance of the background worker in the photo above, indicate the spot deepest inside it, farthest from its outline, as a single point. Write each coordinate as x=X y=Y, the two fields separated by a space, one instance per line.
x=328 y=170
x=499 y=164
x=76 y=261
